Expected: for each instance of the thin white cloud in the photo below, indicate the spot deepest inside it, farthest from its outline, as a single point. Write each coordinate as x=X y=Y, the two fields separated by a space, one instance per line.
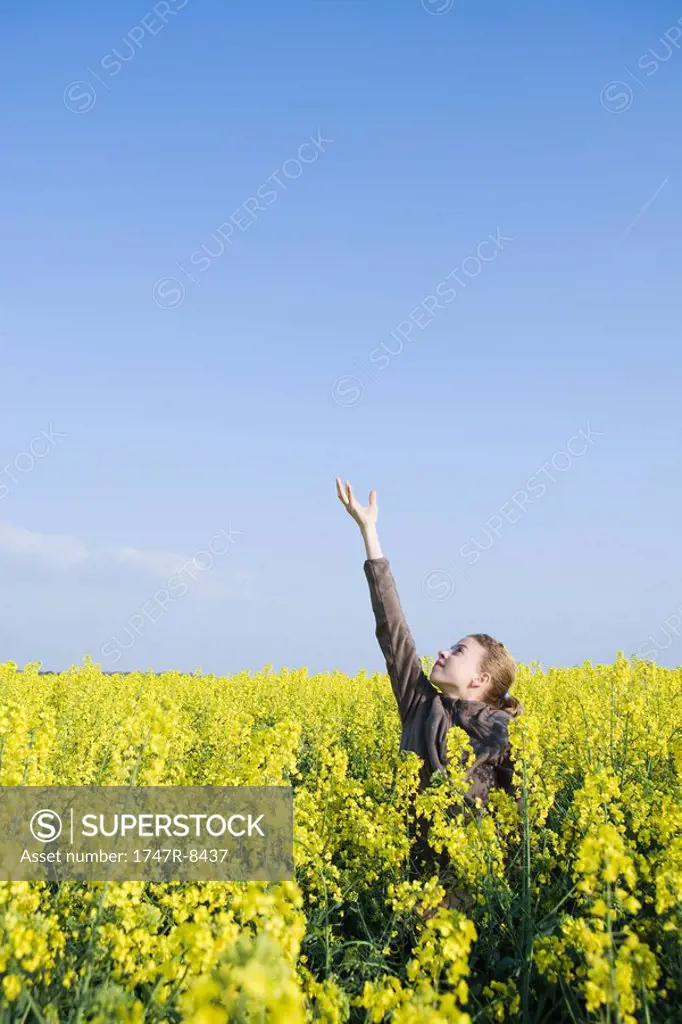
x=55 y=549
x=61 y=551
x=158 y=563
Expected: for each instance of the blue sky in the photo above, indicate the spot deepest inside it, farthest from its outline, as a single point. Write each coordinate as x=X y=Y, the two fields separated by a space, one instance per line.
x=135 y=131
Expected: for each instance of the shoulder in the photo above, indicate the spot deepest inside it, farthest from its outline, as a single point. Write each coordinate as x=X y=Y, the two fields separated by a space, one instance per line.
x=494 y=723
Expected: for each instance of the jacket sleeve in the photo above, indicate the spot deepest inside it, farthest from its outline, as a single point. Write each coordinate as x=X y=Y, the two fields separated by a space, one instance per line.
x=408 y=680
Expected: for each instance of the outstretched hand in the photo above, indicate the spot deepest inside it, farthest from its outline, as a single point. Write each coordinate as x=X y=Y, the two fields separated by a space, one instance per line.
x=364 y=515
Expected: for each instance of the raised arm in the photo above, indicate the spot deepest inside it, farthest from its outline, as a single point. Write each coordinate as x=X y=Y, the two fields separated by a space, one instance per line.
x=408 y=680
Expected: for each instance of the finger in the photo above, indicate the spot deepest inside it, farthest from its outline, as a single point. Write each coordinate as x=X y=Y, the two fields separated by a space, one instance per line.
x=350 y=493
x=372 y=499
x=339 y=491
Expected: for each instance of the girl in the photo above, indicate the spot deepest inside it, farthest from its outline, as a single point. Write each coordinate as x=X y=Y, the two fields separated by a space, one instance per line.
x=474 y=677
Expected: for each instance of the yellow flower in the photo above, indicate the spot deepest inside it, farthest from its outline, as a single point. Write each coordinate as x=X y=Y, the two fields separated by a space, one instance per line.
x=11 y=987
x=598 y=775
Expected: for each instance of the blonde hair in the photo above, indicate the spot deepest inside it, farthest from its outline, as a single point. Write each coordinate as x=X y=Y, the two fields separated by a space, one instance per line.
x=500 y=665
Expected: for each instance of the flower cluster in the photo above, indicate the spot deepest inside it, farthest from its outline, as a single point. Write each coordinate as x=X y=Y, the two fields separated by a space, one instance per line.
x=561 y=902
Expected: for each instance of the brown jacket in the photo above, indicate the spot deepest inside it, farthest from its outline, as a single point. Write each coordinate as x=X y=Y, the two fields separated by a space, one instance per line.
x=425 y=713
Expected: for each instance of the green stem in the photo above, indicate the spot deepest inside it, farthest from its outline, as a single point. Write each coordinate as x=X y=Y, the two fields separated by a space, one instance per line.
x=35 y=1008
x=527 y=930
x=612 y=965
x=560 y=903
x=85 y=983
x=645 y=1003
x=613 y=720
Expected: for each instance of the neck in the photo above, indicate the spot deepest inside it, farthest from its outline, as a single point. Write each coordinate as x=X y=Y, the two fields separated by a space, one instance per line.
x=458 y=697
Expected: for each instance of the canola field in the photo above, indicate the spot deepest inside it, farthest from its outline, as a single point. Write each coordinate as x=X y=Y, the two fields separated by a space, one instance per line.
x=573 y=908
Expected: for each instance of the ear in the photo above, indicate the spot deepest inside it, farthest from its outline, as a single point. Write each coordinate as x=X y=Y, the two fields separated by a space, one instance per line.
x=482 y=680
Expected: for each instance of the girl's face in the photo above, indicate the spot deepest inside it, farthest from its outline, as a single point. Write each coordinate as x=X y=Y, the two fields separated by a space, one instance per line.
x=457 y=670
